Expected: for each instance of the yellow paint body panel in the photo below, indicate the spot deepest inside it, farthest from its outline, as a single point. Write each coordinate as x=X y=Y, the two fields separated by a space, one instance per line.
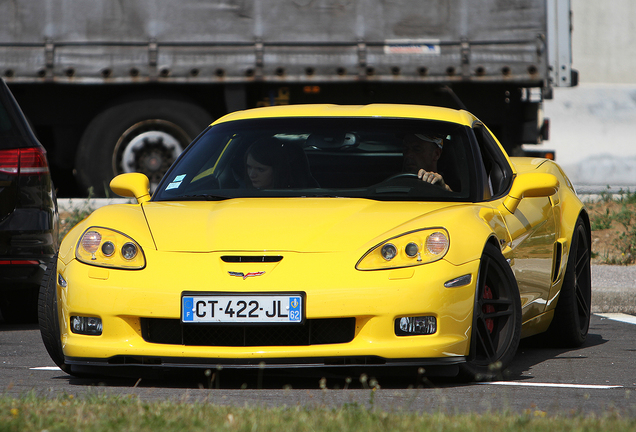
x=373 y=110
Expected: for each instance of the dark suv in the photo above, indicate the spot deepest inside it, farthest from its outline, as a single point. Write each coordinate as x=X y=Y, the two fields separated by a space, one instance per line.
x=28 y=213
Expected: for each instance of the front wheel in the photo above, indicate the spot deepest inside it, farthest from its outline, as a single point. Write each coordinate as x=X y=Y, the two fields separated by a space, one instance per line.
x=48 y=316
x=496 y=319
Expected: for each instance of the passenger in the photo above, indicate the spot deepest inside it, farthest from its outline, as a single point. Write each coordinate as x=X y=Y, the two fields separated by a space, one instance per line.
x=421 y=153
x=272 y=164
x=266 y=164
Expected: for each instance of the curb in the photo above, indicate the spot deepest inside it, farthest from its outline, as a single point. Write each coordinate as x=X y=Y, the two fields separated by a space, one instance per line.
x=614 y=301
x=614 y=288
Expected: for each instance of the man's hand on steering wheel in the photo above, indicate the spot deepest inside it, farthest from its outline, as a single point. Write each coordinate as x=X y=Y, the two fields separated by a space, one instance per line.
x=433 y=178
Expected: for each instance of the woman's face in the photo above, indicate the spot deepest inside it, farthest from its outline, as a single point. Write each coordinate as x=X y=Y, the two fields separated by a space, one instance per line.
x=260 y=175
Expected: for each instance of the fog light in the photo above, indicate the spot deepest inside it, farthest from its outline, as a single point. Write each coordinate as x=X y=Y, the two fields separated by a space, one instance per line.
x=86 y=325
x=421 y=325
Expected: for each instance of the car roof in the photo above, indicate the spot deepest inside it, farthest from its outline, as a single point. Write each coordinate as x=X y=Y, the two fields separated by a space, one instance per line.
x=374 y=110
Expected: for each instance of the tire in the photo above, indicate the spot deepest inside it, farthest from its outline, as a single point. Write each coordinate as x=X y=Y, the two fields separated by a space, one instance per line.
x=571 y=321
x=141 y=136
x=496 y=327
x=48 y=316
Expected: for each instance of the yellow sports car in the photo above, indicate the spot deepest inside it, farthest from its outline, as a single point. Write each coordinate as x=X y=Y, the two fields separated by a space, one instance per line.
x=326 y=236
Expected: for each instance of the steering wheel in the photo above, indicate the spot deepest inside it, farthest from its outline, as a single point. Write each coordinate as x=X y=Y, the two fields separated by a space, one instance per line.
x=402 y=176
x=404 y=179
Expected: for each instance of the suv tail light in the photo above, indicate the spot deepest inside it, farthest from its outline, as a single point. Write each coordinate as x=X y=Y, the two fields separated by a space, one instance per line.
x=26 y=161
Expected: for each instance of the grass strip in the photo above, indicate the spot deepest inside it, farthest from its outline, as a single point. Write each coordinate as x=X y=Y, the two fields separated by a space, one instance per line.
x=97 y=413
x=613 y=223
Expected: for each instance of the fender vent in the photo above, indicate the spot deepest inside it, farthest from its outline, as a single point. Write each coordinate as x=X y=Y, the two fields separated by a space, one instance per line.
x=558 y=251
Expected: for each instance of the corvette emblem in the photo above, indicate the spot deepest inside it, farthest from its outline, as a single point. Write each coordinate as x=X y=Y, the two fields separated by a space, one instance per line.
x=246 y=275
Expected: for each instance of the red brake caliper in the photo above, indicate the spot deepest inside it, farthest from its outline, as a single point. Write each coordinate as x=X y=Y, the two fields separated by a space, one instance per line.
x=488 y=308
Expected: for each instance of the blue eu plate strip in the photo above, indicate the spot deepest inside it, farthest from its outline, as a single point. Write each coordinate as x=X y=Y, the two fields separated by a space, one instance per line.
x=188 y=309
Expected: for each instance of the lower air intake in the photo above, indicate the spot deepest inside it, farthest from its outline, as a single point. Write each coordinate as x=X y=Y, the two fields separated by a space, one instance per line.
x=312 y=332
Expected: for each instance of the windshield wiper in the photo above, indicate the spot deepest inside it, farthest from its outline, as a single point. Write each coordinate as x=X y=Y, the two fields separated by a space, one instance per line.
x=203 y=197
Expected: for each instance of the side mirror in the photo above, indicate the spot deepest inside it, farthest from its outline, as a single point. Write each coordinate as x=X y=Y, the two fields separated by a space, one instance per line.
x=133 y=185
x=530 y=185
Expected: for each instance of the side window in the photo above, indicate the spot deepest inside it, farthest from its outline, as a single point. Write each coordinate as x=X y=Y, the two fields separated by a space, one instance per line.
x=498 y=172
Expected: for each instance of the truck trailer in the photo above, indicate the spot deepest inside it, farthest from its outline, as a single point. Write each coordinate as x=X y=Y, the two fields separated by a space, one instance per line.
x=124 y=86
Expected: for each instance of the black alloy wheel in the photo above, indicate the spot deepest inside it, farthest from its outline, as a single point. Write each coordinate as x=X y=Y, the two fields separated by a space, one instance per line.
x=48 y=316
x=496 y=319
x=571 y=322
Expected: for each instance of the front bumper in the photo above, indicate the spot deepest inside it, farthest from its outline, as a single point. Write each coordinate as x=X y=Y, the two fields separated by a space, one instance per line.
x=141 y=366
x=125 y=300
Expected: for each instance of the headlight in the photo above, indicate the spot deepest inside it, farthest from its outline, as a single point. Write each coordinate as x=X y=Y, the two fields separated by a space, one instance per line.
x=109 y=248
x=406 y=250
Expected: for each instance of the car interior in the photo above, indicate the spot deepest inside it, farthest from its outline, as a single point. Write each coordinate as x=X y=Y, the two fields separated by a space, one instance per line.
x=323 y=161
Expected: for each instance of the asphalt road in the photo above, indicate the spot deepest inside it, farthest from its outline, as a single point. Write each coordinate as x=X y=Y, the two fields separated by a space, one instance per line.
x=597 y=377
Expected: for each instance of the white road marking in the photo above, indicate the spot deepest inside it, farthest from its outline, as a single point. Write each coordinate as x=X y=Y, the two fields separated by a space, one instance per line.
x=502 y=383
x=533 y=384
x=629 y=319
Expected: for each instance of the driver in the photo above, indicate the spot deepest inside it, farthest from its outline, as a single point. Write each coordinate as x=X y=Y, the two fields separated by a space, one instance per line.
x=421 y=153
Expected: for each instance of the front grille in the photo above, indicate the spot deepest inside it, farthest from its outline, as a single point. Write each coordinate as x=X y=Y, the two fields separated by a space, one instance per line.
x=312 y=332
x=251 y=258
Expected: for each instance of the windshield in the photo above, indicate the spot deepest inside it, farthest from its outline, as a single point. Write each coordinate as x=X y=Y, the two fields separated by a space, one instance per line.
x=374 y=158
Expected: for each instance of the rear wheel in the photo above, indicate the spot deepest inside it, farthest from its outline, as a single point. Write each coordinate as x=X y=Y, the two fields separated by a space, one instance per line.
x=142 y=136
x=496 y=319
x=571 y=320
x=48 y=316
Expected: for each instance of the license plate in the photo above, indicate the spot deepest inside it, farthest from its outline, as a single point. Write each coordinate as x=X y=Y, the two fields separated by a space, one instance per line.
x=242 y=308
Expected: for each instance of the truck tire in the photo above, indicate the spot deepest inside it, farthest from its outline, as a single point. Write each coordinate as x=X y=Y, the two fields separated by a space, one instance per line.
x=141 y=136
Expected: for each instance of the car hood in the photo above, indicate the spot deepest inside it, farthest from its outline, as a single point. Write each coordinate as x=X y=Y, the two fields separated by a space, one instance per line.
x=291 y=224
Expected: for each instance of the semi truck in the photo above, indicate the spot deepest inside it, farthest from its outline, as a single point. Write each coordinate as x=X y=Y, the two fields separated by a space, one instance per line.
x=124 y=86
